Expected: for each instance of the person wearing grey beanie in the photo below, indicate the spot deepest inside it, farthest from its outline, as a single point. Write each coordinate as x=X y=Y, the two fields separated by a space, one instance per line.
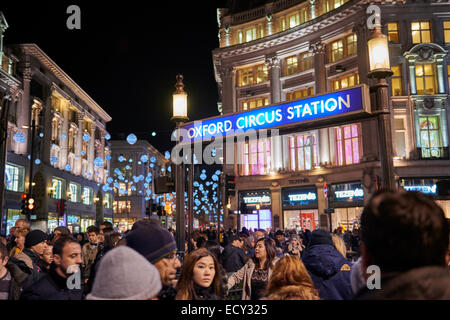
x=124 y=274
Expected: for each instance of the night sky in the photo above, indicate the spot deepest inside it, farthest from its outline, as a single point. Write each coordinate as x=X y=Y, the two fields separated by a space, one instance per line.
x=127 y=57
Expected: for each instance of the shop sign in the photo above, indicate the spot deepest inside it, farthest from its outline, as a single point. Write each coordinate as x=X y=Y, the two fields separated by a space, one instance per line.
x=424 y=185
x=347 y=192
x=431 y=189
x=256 y=199
x=73 y=219
x=301 y=196
x=253 y=198
x=326 y=106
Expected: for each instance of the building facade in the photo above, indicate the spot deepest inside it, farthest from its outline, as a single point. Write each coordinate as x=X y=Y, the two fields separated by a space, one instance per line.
x=69 y=145
x=287 y=50
x=134 y=170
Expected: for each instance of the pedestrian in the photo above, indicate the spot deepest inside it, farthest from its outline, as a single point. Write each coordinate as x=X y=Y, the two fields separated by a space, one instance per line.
x=249 y=246
x=200 y=277
x=19 y=238
x=9 y=288
x=233 y=256
x=20 y=224
x=124 y=274
x=89 y=251
x=260 y=233
x=47 y=256
x=339 y=245
x=29 y=260
x=290 y=281
x=158 y=246
x=59 y=232
x=256 y=272
x=54 y=285
x=281 y=240
x=406 y=235
x=111 y=238
x=295 y=247
x=329 y=270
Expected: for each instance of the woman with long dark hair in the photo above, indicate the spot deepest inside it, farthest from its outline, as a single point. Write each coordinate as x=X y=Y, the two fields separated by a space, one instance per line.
x=257 y=271
x=200 y=277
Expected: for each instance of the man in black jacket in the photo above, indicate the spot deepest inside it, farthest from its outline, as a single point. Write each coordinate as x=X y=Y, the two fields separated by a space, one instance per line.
x=233 y=256
x=62 y=282
x=406 y=236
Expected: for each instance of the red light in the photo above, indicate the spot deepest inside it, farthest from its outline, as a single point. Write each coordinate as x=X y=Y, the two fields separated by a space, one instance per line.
x=24 y=196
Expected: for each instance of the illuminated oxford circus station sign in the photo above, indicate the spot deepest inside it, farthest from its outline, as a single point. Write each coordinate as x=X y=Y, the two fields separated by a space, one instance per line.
x=312 y=110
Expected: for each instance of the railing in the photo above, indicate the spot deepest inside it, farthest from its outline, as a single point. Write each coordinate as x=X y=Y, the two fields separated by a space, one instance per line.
x=283 y=4
x=248 y=15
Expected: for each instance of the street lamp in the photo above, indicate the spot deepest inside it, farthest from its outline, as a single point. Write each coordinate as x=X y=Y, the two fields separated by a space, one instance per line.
x=380 y=70
x=179 y=116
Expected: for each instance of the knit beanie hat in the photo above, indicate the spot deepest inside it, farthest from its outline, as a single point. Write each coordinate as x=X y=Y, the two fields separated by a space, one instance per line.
x=34 y=237
x=123 y=274
x=321 y=236
x=152 y=241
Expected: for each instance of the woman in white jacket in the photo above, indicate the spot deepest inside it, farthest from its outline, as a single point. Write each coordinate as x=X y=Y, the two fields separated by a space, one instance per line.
x=257 y=271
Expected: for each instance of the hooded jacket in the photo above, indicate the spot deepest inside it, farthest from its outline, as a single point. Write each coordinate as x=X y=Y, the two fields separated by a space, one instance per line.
x=426 y=283
x=330 y=272
x=233 y=258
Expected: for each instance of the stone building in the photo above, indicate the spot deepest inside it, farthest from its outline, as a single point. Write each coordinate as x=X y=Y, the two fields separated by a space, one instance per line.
x=288 y=50
x=68 y=157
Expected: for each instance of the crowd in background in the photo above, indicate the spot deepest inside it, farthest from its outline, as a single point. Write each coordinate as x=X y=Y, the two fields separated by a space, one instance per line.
x=404 y=234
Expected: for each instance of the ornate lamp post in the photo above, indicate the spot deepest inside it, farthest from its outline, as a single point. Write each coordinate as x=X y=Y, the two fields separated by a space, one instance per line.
x=380 y=69
x=179 y=117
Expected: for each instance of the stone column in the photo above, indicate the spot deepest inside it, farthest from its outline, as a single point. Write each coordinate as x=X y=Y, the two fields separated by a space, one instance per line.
x=91 y=152
x=269 y=24
x=64 y=143
x=313 y=4
x=227 y=36
x=440 y=72
x=360 y=29
x=78 y=145
x=273 y=63
x=320 y=73
x=23 y=116
x=227 y=74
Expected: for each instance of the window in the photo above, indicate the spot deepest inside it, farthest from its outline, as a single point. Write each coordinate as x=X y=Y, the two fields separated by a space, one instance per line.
x=337 y=50
x=250 y=34
x=397 y=81
x=348 y=141
x=306 y=61
x=290 y=65
x=261 y=220
x=71 y=140
x=303 y=152
x=74 y=192
x=304 y=15
x=255 y=103
x=260 y=31
x=107 y=200
x=447 y=31
x=329 y=5
x=253 y=75
x=351 y=44
x=448 y=75
x=294 y=20
x=14 y=177
x=283 y=24
x=122 y=206
x=393 y=32
x=400 y=137
x=87 y=196
x=56 y=130
x=261 y=73
x=430 y=137
x=298 y=94
x=240 y=37
x=255 y=157
x=346 y=81
x=421 y=32
x=425 y=79
x=57 y=188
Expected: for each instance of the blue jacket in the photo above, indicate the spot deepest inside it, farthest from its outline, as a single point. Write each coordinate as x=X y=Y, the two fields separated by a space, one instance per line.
x=330 y=272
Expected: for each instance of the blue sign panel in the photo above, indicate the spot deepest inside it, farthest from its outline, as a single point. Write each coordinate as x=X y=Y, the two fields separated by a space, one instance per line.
x=331 y=105
x=351 y=192
x=300 y=197
x=424 y=185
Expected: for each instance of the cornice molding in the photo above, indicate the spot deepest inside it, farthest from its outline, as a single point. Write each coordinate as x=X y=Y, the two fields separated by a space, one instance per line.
x=34 y=50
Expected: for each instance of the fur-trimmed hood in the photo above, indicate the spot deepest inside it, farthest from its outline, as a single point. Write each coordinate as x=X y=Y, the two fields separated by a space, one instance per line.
x=292 y=293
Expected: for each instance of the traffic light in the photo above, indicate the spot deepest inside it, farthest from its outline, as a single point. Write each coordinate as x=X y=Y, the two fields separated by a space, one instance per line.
x=148 y=212
x=24 y=204
x=63 y=207
x=230 y=186
x=160 y=211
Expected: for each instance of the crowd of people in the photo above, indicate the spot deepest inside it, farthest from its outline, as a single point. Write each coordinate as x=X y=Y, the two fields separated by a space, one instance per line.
x=404 y=234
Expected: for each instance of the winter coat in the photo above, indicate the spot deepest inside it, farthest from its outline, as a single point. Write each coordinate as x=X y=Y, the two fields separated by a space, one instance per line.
x=233 y=258
x=330 y=272
x=205 y=293
x=426 y=283
x=31 y=264
x=52 y=287
x=167 y=293
x=89 y=254
x=291 y=293
x=245 y=274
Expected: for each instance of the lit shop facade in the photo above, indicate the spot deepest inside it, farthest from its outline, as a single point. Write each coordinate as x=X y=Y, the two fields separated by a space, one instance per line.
x=287 y=51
